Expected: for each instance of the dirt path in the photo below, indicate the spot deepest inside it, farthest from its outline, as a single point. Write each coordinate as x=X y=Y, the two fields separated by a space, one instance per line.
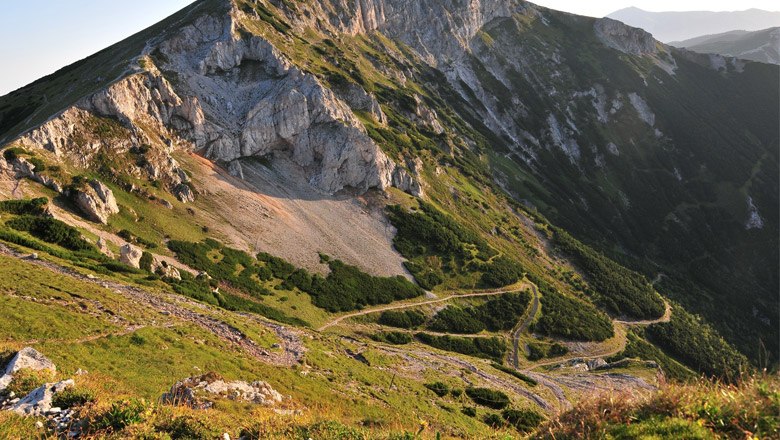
x=336 y=321
x=180 y=307
x=523 y=325
x=620 y=334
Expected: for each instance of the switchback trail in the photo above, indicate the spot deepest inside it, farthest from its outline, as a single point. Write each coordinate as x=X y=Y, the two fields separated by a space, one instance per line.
x=523 y=325
x=337 y=320
x=620 y=334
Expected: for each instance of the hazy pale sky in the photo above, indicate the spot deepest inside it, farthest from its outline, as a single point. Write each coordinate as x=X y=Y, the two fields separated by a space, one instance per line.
x=40 y=36
x=600 y=8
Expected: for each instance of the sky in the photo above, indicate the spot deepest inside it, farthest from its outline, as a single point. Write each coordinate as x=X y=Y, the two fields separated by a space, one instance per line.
x=41 y=36
x=600 y=8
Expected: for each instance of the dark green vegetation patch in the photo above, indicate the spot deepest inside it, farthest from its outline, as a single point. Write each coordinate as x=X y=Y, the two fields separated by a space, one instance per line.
x=497 y=314
x=488 y=348
x=569 y=318
x=621 y=291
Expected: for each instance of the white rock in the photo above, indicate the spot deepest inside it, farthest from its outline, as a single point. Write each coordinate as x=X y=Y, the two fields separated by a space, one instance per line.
x=38 y=402
x=96 y=201
x=130 y=255
x=26 y=358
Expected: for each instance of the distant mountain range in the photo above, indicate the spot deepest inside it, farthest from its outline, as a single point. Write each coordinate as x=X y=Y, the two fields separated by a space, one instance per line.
x=763 y=45
x=679 y=26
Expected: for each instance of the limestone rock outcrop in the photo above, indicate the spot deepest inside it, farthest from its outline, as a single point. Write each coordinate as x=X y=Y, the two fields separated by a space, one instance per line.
x=27 y=358
x=39 y=401
x=624 y=38
x=96 y=201
x=199 y=392
x=130 y=255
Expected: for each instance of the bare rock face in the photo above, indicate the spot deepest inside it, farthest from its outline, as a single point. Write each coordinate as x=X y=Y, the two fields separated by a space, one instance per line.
x=23 y=168
x=96 y=201
x=39 y=401
x=359 y=99
x=103 y=247
x=27 y=358
x=199 y=392
x=165 y=270
x=130 y=255
x=624 y=38
x=255 y=102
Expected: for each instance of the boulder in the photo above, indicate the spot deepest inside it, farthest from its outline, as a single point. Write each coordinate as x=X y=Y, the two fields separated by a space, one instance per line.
x=103 y=247
x=199 y=392
x=96 y=201
x=165 y=270
x=130 y=255
x=595 y=364
x=183 y=192
x=39 y=401
x=28 y=358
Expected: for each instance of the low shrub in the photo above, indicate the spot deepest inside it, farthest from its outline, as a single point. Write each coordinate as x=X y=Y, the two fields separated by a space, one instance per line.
x=395 y=338
x=51 y=231
x=73 y=397
x=469 y=411
x=25 y=207
x=488 y=348
x=488 y=397
x=494 y=421
x=454 y=319
x=511 y=371
x=524 y=420
x=402 y=319
x=441 y=389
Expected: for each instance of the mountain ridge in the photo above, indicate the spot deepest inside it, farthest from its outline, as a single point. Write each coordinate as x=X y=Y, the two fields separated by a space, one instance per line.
x=303 y=160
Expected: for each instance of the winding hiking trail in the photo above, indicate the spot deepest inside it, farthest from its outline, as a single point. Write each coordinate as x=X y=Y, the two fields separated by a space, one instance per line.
x=523 y=325
x=620 y=336
x=338 y=320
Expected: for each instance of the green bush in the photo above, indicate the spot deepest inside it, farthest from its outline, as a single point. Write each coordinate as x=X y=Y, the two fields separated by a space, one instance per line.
x=429 y=232
x=536 y=351
x=73 y=397
x=488 y=397
x=25 y=207
x=487 y=348
x=557 y=350
x=502 y=271
x=569 y=318
x=11 y=154
x=395 y=338
x=502 y=312
x=494 y=421
x=441 y=389
x=51 y=231
x=348 y=288
x=469 y=411
x=511 y=371
x=454 y=319
x=146 y=261
x=39 y=165
x=497 y=314
x=402 y=319
x=524 y=420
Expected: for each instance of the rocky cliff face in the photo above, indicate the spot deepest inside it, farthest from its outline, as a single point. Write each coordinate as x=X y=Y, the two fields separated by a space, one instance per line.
x=235 y=96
